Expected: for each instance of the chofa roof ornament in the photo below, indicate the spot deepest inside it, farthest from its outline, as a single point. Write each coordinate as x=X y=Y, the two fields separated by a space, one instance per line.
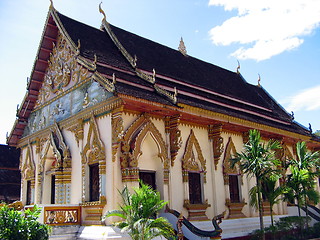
x=182 y=48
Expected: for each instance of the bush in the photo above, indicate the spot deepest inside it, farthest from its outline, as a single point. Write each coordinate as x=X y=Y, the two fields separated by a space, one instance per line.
x=18 y=225
x=289 y=228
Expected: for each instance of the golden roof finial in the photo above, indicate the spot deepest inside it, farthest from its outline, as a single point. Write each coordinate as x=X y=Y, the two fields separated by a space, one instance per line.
x=259 y=79
x=238 y=68
x=103 y=13
x=182 y=48
x=51 y=4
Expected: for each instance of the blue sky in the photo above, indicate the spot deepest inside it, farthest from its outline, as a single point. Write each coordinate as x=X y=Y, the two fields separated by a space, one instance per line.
x=278 y=40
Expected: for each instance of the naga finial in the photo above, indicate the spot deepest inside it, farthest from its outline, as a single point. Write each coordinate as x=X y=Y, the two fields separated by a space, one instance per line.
x=103 y=13
x=114 y=79
x=238 y=68
x=259 y=80
x=153 y=74
x=310 y=128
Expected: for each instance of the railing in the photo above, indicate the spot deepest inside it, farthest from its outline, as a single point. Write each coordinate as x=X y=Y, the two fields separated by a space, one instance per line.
x=201 y=233
x=62 y=215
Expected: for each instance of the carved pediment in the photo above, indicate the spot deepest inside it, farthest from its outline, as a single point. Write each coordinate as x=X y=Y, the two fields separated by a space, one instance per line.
x=63 y=71
x=228 y=154
x=94 y=150
x=193 y=159
x=132 y=142
x=55 y=148
x=27 y=165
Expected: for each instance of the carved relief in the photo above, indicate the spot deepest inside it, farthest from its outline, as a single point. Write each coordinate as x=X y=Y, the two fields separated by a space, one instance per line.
x=117 y=130
x=27 y=166
x=227 y=169
x=283 y=154
x=77 y=129
x=63 y=71
x=190 y=160
x=131 y=148
x=172 y=124
x=60 y=150
x=217 y=142
x=94 y=150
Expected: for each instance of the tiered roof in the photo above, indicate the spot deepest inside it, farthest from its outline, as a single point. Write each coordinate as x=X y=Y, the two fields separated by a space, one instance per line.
x=148 y=70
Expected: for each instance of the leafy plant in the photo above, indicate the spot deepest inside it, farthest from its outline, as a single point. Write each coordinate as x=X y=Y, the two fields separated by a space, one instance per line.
x=139 y=211
x=257 y=160
x=17 y=225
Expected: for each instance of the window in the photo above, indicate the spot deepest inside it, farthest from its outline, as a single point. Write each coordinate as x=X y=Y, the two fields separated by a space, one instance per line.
x=234 y=188
x=53 y=189
x=28 y=200
x=148 y=178
x=94 y=182
x=195 y=193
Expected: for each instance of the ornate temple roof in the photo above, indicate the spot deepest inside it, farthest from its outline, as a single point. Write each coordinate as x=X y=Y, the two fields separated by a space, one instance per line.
x=148 y=70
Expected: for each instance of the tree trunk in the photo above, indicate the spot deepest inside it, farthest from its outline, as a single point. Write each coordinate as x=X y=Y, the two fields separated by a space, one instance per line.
x=271 y=214
x=260 y=207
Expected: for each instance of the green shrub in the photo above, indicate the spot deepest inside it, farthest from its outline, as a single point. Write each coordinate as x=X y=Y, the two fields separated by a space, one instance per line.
x=18 y=225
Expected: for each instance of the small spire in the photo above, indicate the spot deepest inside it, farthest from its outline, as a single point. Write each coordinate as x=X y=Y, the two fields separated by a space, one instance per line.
x=310 y=128
x=259 y=80
x=103 y=13
x=51 y=4
x=182 y=48
x=238 y=68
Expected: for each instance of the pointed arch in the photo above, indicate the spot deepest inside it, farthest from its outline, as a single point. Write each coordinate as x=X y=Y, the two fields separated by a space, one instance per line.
x=94 y=150
x=227 y=169
x=27 y=166
x=189 y=162
x=131 y=148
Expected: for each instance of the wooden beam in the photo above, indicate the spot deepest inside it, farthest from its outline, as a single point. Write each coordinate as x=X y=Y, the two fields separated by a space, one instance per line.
x=50 y=38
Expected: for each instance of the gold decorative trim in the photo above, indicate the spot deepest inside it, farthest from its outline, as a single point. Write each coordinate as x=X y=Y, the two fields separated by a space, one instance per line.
x=131 y=147
x=226 y=168
x=104 y=82
x=238 y=121
x=117 y=130
x=27 y=167
x=94 y=150
x=77 y=130
x=190 y=161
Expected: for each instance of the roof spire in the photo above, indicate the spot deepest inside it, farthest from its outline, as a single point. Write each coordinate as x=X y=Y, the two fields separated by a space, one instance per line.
x=238 y=68
x=103 y=13
x=182 y=48
x=259 y=79
x=51 y=4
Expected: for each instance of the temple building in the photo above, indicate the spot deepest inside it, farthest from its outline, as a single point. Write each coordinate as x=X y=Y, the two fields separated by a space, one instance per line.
x=10 y=177
x=105 y=108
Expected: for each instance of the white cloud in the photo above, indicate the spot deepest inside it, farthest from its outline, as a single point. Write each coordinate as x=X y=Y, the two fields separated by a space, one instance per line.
x=307 y=100
x=266 y=28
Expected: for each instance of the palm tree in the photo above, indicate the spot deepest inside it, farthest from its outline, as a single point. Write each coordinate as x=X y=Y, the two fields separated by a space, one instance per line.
x=257 y=160
x=301 y=180
x=139 y=211
x=270 y=191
